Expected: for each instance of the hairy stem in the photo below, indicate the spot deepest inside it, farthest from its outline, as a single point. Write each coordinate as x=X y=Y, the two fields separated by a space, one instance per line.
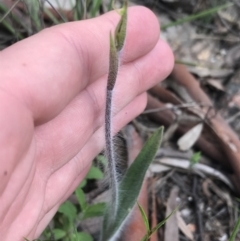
x=112 y=76
x=116 y=45
x=110 y=154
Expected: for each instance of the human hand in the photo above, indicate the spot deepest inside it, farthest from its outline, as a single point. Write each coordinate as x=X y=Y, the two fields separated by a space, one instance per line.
x=52 y=95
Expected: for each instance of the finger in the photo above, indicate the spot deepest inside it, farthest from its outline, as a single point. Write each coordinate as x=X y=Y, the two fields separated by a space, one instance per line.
x=63 y=137
x=46 y=71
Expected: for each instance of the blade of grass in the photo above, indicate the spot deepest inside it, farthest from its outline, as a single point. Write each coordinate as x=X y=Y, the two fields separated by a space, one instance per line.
x=84 y=6
x=187 y=63
x=235 y=230
x=80 y=10
x=7 y=25
x=33 y=8
x=95 y=7
x=159 y=225
x=77 y=11
x=9 y=10
x=144 y=216
x=197 y=16
x=61 y=16
x=51 y=16
x=110 y=5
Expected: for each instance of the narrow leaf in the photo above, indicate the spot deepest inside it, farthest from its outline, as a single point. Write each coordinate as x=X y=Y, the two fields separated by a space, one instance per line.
x=83 y=183
x=7 y=24
x=130 y=186
x=69 y=210
x=51 y=16
x=235 y=230
x=81 y=198
x=57 y=12
x=95 y=7
x=102 y=159
x=144 y=216
x=197 y=16
x=110 y=5
x=195 y=158
x=94 y=210
x=8 y=11
x=113 y=64
x=34 y=12
x=95 y=173
x=82 y=236
x=58 y=233
x=159 y=225
x=120 y=33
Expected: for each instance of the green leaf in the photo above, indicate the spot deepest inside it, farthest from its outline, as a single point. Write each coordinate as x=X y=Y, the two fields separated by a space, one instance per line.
x=145 y=238
x=120 y=33
x=95 y=7
x=81 y=236
x=58 y=233
x=102 y=159
x=144 y=216
x=34 y=12
x=159 y=225
x=95 y=173
x=110 y=5
x=69 y=210
x=80 y=10
x=235 y=230
x=130 y=186
x=195 y=158
x=7 y=24
x=83 y=183
x=95 y=210
x=66 y=223
x=113 y=65
x=81 y=198
x=51 y=16
x=197 y=16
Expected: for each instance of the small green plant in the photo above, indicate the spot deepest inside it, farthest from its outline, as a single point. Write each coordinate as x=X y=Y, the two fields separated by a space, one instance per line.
x=195 y=159
x=150 y=232
x=70 y=215
x=235 y=231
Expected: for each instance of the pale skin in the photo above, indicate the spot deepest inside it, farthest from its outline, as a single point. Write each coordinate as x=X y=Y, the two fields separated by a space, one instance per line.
x=52 y=95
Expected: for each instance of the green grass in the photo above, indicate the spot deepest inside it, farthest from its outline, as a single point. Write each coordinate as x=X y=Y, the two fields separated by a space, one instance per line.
x=195 y=16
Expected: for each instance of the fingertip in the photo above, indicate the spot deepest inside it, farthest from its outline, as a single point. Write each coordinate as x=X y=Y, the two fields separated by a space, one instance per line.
x=143 y=30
